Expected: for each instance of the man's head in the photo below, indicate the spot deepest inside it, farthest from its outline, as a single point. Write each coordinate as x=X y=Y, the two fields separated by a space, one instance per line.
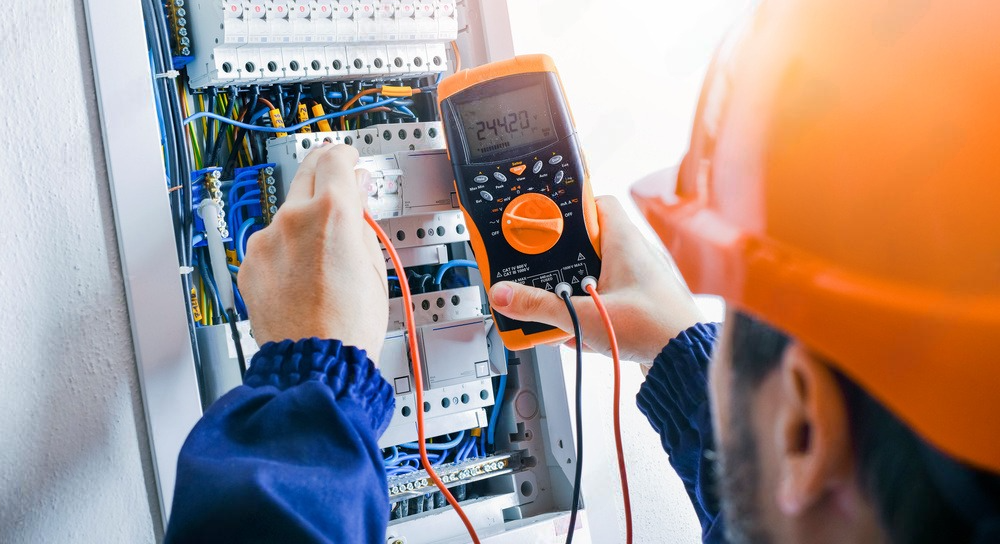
x=841 y=185
x=808 y=456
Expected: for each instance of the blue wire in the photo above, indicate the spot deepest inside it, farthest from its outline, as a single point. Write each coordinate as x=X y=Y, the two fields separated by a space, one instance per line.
x=497 y=405
x=241 y=238
x=393 y=278
x=396 y=471
x=434 y=459
x=392 y=459
x=246 y=200
x=293 y=128
x=438 y=447
x=248 y=181
x=406 y=110
x=241 y=307
x=234 y=268
x=466 y=450
x=256 y=117
x=452 y=264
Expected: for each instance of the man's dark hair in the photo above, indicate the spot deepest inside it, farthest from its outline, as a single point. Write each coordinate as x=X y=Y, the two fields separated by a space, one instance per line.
x=894 y=469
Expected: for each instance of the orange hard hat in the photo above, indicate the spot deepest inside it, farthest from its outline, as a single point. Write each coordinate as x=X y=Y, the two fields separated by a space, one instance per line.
x=843 y=184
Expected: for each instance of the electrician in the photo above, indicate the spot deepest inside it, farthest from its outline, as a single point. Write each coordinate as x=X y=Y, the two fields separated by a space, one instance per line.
x=839 y=193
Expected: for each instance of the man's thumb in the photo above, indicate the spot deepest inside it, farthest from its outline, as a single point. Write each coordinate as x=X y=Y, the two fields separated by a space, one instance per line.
x=525 y=303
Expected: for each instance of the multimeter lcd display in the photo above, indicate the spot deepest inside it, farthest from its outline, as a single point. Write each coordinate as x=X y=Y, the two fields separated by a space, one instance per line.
x=507 y=121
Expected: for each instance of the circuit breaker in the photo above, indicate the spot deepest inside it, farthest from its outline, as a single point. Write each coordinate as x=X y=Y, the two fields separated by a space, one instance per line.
x=266 y=82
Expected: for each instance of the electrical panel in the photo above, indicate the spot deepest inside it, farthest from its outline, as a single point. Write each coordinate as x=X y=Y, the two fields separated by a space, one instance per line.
x=244 y=90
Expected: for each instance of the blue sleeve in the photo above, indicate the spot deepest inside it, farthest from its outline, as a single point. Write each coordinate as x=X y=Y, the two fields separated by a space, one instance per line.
x=675 y=400
x=292 y=455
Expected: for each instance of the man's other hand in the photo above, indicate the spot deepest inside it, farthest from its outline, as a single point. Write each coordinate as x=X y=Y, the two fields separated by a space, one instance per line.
x=647 y=301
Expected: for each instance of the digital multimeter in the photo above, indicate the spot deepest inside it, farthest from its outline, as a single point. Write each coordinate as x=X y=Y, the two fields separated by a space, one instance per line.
x=521 y=181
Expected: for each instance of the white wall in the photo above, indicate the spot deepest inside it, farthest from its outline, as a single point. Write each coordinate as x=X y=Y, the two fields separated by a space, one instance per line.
x=74 y=460
x=633 y=72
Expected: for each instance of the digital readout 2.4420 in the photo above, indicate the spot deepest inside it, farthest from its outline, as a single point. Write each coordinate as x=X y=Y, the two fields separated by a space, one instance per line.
x=510 y=123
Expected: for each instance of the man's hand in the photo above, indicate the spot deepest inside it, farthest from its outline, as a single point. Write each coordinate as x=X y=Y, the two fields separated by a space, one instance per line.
x=648 y=302
x=317 y=270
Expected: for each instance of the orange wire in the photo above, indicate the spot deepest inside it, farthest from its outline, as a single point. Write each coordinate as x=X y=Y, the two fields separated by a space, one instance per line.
x=606 y=318
x=458 y=56
x=418 y=385
x=347 y=106
x=408 y=92
x=375 y=110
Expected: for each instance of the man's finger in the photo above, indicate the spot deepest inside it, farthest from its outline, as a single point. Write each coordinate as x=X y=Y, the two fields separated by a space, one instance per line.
x=524 y=303
x=335 y=175
x=303 y=184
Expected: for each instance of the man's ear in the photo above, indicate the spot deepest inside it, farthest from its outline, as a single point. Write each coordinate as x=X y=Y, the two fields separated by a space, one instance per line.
x=811 y=433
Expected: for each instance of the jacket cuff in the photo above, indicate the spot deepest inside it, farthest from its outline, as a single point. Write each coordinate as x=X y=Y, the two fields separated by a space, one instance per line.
x=346 y=370
x=676 y=388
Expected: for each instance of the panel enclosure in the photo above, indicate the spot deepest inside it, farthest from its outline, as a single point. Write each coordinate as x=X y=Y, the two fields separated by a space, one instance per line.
x=521 y=488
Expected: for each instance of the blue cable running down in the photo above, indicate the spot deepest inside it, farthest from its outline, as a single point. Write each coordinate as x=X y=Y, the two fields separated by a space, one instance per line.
x=452 y=264
x=394 y=458
x=465 y=450
x=250 y=198
x=293 y=128
x=497 y=404
x=241 y=238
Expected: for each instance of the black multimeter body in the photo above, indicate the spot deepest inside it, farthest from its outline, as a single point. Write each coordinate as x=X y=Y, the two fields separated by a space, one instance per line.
x=522 y=183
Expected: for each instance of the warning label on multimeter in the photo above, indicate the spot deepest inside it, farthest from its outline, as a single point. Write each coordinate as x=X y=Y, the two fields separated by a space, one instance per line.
x=513 y=271
x=547 y=281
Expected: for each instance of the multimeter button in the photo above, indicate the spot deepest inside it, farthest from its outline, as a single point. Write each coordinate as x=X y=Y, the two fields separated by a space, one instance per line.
x=556 y=160
x=532 y=223
x=500 y=177
x=518 y=170
x=537 y=167
x=486 y=196
x=480 y=179
x=559 y=176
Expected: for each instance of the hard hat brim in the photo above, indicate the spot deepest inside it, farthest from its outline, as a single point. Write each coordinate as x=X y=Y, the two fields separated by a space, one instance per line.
x=844 y=317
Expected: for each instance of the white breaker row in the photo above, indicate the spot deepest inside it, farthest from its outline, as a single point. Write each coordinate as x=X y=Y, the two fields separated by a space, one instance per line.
x=283 y=41
x=411 y=190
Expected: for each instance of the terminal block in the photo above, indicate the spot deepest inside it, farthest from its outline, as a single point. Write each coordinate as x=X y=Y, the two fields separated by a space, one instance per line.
x=268 y=194
x=180 y=36
x=207 y=183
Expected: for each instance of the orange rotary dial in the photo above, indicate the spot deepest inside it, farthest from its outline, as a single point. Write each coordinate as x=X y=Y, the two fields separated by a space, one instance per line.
x=532 y=223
